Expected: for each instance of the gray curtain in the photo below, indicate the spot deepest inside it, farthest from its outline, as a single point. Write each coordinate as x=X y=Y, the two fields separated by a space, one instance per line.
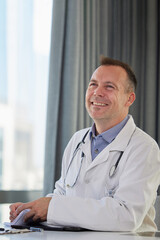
x=82 y=30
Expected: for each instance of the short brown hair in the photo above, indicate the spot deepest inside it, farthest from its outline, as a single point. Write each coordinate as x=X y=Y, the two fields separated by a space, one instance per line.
x=113 y=62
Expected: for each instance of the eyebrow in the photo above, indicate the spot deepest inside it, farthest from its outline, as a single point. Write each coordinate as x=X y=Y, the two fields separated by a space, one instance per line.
x=107 y=82
x=92 y=80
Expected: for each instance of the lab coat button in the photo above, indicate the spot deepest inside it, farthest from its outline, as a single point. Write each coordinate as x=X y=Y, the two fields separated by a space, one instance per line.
x=67 y=185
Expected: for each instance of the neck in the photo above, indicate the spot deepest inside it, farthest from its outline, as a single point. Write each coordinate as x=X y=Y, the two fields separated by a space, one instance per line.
x=104 y=125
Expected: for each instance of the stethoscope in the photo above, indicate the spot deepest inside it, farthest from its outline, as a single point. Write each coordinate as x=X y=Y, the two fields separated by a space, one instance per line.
x=114 y=167
x=74 y=154
x=112 y=170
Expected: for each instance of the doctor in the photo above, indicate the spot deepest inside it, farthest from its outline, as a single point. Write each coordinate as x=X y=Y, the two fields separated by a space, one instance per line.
x=111 y=171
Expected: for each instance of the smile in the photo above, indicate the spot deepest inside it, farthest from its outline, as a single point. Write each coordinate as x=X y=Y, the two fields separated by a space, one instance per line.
x=99 y=104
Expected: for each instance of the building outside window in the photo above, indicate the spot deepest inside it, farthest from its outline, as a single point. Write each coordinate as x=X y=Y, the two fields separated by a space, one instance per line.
x=25 y=30
x=1 y=155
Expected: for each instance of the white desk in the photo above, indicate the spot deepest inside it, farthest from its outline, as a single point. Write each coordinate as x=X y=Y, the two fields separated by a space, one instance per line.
x=58 y=235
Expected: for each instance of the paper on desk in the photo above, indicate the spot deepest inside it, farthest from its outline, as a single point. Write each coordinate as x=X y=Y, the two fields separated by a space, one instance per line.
x=15 y=231
x=19 y=220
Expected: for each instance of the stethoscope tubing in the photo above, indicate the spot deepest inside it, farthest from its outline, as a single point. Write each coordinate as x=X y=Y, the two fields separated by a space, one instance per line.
x=74 y=154
x=112 y=169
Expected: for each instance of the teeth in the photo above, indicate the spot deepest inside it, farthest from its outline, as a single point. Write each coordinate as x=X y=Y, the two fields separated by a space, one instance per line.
x=99 y=104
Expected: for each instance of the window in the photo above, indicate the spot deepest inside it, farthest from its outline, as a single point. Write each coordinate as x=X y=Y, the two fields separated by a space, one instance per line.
x=25 y=29
x=1 y=155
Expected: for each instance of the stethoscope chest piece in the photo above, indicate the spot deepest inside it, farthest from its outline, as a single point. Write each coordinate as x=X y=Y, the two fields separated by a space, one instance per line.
x=112 y=171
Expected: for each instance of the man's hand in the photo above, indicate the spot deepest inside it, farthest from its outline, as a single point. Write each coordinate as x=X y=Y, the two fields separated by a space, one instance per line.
x=38 y=209
x=13 y=210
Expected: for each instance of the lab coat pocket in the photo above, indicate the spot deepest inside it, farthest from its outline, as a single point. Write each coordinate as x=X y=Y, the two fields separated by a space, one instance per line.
x=112 y=185
x=73 y=170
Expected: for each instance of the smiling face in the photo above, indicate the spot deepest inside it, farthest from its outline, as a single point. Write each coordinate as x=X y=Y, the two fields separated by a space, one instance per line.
x=107 y=96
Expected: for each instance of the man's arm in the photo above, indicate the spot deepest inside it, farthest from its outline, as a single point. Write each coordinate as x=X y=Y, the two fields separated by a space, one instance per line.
x=126 y=210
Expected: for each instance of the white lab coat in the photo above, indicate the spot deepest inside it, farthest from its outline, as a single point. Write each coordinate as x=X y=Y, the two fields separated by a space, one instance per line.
x=124 y=202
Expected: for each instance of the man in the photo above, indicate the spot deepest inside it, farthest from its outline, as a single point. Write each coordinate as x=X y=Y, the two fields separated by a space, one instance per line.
x=111 y=171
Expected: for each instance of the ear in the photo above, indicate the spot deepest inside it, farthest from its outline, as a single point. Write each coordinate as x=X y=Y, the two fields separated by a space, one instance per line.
x=131 y=99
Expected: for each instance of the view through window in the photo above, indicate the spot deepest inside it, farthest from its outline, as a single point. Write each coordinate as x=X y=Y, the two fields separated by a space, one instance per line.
x=25 y=30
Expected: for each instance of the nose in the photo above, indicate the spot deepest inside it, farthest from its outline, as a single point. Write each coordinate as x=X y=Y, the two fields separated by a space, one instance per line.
x=98 y=92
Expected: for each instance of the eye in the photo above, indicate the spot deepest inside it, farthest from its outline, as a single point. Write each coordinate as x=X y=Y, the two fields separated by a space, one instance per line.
x=110 y=87
x=92 y=84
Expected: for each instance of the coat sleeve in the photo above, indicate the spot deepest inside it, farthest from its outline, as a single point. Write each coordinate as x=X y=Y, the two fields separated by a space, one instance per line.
x=131 y=204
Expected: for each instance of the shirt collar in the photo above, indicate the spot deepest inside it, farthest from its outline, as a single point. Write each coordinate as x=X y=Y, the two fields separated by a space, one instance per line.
x=111 y=133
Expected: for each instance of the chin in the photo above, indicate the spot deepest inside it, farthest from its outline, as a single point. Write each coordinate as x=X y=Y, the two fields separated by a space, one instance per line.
x=97 y=117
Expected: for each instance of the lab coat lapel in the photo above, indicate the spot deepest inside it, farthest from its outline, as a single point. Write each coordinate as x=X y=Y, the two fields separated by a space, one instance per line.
x=121 y=141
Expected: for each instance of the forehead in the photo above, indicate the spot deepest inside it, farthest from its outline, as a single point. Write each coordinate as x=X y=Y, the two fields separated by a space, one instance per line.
x=109 y=73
